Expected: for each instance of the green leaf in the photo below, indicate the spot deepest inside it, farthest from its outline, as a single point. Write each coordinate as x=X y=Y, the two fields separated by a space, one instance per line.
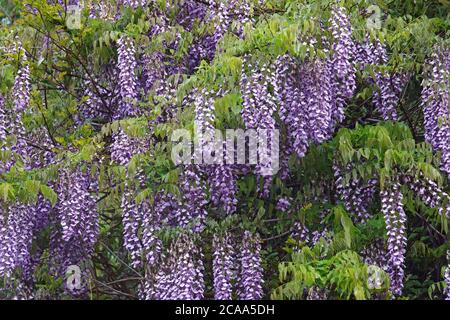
x=49 y=194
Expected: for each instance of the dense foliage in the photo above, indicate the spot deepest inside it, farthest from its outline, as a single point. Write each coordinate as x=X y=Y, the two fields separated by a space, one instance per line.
x=92 y=205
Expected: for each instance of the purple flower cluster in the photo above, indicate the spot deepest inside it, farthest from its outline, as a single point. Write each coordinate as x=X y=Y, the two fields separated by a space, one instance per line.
x=131 y=221
x=388 y=96
x=17 y=232
x=320 y=234
x=395 y=219
x=180 y=276
x=223 y=266
x=291 y=112
x=389 y=85
x=3 y=132
x=375 y=254
x=300 y=232
x=221 y=178
x=126 y=65
x=102 y=95
x=205 y=47
x=21 y=223
x=133 y=3
x=431 y=194
x=151 y=222
x=283 y=204
x=193 y=205
x=259 y=104
x=435 y=104
x=305 y=94
x=3 y=120
x=447 y=277
x=124 y=147
x=76 y=227
x=258 y=108
x=153 y=70
x=77 y=210
x=316 y=293
x=204 y=122
x=356 y=194
x=17 y=236
x=223 y=187
x=21 y=89
x=342 y=61
x=21 y=98
x=190 y=12
x=317 y=97
x=250 y=275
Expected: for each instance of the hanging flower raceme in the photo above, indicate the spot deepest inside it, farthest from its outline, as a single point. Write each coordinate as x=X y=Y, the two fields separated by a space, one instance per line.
x=251 y=272
x=102 y=95
x=3 y=120
x=204 y=123
x=76 y=222
x=192 y=209
x=134 y=3
x=356 y=194
x=395 y=219
x=342 y=62
x=21 y=100
x=435 y=104
x=315 y=293
x=124 y=147
x=21 y=221
x=242 y=12
x=389 y=85
x=300 y=232
x=223 y=187
x=151 y=222
x=205 y=47
x=283 y=204
x=126 y=65
x=17 y=237
x=78 y=216
x=180 y=276
x=316 y=96
x=306 y=98
x=447 y=277
x=17 y=232
x=387 y=97
x=21 y=89
x=221 y=178
x=3 y=130
x=155 y=216
x=154 y=70
x=375 y=254
x=131 y=220
x=259 y=106
x=431 y=194
x=190 y=12
x=291 y=112
x=223 y=266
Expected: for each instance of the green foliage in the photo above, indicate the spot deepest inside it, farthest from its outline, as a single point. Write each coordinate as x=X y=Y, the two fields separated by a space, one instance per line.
x=410 y=28
x=344 y=275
